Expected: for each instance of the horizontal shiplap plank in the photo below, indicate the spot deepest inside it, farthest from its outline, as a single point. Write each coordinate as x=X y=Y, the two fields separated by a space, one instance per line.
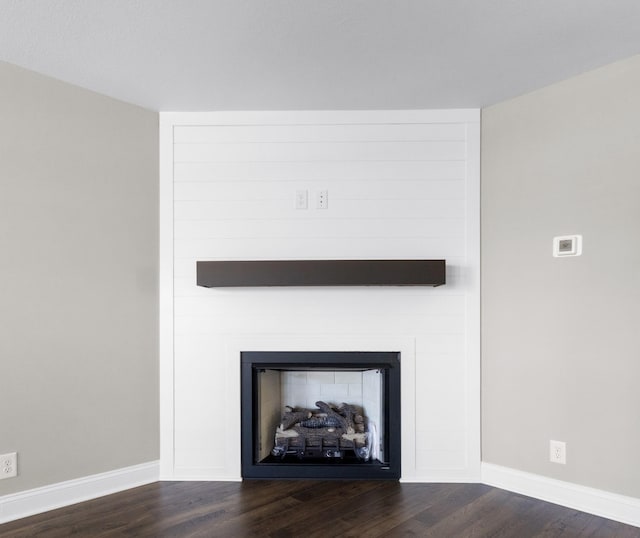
x=322 y=151
x=351 y=190
x=307 y=248
x=279 y=209
x=319 y=171
x=343 y=228
x=224 y=134
x=240 y=304
x=444 y=348
x=187 y=287
x=306 y=322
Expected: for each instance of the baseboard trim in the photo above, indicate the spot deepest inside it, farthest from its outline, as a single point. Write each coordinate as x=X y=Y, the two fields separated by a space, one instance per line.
x=43 y=499
x=593 y=501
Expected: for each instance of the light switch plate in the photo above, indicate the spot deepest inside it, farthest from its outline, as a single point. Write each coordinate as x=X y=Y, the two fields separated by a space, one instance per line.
x=302 y=199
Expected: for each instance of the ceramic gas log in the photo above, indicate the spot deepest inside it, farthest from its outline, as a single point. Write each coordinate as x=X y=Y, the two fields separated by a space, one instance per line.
x=324 y=432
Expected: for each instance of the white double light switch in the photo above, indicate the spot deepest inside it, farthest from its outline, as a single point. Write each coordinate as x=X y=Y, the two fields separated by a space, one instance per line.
x=302 y=199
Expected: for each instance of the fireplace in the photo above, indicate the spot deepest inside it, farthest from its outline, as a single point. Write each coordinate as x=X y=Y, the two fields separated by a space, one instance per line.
x=320 y=415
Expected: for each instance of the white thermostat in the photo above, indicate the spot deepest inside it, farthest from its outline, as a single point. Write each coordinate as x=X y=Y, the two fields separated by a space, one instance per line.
x=567 y=245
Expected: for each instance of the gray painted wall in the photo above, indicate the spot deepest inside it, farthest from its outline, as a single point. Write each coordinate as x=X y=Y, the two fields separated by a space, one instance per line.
x=78 y=286
x=561 y=337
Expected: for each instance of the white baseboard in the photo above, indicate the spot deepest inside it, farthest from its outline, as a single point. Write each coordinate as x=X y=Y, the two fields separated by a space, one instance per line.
x=43 y=499
x=593 y=501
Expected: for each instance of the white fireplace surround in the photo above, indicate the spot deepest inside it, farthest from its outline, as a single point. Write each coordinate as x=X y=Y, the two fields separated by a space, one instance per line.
x=406 y=347
x=402 y=185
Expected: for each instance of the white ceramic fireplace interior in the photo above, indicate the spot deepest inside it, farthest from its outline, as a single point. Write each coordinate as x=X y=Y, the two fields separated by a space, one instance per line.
x=304 y=388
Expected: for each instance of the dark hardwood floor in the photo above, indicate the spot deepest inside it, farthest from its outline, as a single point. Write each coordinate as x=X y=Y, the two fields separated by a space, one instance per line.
x=283 y=509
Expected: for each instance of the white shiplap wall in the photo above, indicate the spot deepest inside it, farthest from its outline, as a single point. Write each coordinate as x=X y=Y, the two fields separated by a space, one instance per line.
x=401 y=185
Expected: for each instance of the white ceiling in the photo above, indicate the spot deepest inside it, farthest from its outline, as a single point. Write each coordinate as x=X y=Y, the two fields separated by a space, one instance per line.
x=316 y=54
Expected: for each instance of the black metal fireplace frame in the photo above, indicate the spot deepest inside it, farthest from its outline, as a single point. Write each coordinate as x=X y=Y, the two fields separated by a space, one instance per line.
x=389 y=365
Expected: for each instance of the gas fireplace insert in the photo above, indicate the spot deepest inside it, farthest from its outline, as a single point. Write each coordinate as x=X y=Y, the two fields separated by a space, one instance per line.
x=320 y=415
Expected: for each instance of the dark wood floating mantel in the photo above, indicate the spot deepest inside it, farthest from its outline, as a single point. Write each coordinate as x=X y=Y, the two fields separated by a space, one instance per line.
x=222 y=274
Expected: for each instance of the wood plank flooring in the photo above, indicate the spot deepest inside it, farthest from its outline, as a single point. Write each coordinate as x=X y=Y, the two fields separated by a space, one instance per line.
x=314 y=509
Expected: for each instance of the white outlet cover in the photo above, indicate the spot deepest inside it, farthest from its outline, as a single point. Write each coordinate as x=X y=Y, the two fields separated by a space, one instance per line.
x=567 y=245
x=558 y=452
x=8 y=465
x=322 y=199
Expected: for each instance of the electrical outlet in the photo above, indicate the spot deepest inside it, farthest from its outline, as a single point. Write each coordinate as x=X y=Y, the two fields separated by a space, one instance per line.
x=558 y=452
x=322 y=199
x=8 y=465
